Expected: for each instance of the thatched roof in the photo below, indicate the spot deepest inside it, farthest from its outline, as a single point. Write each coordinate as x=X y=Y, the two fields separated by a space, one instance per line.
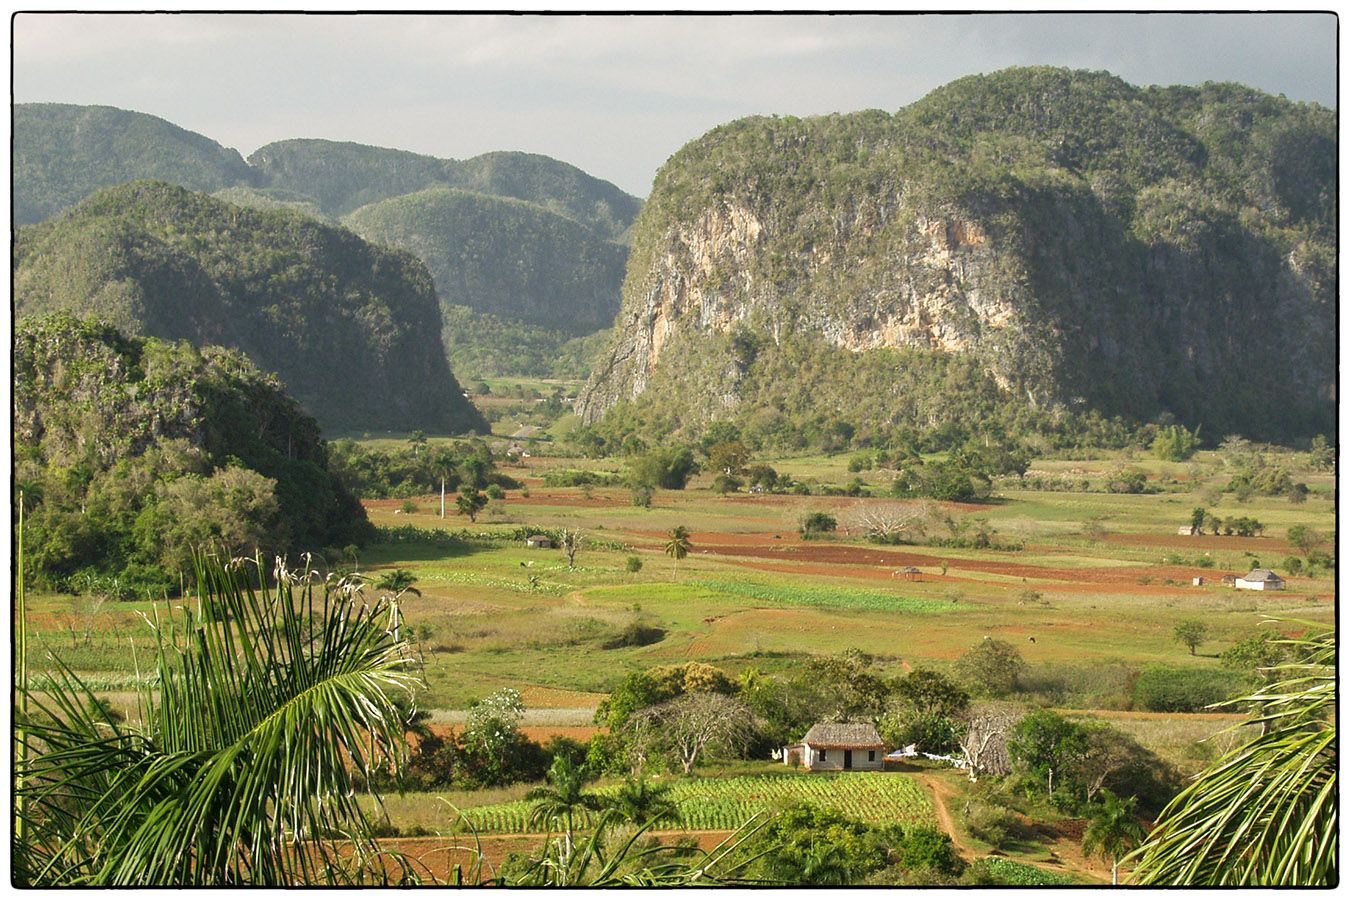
x=844 y=736
x=1261 y=575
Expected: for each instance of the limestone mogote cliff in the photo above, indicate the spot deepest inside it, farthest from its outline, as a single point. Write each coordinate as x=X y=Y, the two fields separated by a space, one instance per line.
x=1088 y=245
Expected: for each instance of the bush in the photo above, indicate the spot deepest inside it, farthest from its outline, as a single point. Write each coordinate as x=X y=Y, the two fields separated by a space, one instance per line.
x=1165 y=689
x=726 y=484
x=928 y=849
x=818 y=523
x=495 y=492
x=408 y=507
x=991 y=822
x=633 y=564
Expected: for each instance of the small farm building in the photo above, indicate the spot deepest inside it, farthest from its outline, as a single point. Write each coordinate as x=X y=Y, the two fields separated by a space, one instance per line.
x=1260 y=580
x=836 y=747
x=539 y=541
x=1188 y=530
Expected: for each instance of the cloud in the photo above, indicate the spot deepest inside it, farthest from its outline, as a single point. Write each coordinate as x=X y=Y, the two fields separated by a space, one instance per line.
x=614 y=94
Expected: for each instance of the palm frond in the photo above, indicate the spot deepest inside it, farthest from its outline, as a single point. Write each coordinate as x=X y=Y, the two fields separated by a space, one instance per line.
x=1266 y=814
x=240 y=769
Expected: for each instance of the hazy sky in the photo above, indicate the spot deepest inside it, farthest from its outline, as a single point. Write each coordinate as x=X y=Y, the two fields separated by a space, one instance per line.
x=613 y=95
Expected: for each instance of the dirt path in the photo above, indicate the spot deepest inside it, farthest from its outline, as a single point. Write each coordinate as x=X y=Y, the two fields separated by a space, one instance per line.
x=943 y=792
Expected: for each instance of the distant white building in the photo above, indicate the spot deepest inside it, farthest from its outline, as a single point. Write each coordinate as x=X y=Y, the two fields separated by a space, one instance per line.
x=1259 y=580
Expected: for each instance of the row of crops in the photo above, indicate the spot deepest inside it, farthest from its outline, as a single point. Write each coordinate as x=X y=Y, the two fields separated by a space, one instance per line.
x=724 y=804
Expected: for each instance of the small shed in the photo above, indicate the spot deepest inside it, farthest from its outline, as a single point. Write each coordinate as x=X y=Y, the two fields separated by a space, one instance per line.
x=1259 y=580
x=911 y=573
x=1188 y=530
x=1198 y=581
x=839 y=746
x=539 y=542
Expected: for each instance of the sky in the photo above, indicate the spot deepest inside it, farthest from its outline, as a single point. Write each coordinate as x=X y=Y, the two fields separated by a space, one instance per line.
x=614 y=95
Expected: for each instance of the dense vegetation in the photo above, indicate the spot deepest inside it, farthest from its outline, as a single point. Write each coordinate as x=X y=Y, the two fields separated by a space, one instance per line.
x=1091 y=246
x=501 y=256
x=63 y=153
x=350 y=328
x=342 y=177
x=131 y=453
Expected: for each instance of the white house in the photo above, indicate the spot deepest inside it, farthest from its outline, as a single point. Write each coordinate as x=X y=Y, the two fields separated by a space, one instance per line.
x=1259 y=580
x=837 y=747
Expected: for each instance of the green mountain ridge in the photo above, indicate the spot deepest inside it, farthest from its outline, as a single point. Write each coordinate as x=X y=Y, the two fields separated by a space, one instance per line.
x=352 y=329
x=64 y=152
x=1092 y=246
x=501 y=256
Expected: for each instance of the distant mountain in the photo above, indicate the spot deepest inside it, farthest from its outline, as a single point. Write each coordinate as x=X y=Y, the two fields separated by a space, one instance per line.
x=352 y=329
x=343 y=177
x=1014 y=248
x=505 y=257
x=63 y=153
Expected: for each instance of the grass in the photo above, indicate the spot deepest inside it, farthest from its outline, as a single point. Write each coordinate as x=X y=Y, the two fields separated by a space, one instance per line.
x=833 y=598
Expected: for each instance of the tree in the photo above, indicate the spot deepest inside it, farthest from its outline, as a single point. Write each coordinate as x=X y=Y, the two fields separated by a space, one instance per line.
x=984 y=739
x=1046 y=742
x=399 y=581
x=233 y=510
x=561 y=799
x=645 y=802
x=1266 y=813
x=572 y=539
x=993 y=667
x=1191 y=632
x=1322 y=456
x=697 y=723
x=668 y=468
x=818 y=523
x=492 y=732
x=1113 y=830
x=470 y=502
x=932 y=692
x=252 y=735
x=890 y=521
x=678 y=547
x=726 y=484
x=1304 y=538
x=1175 y=443
x=1198 y=516
x=418 y=441
x=728 y=457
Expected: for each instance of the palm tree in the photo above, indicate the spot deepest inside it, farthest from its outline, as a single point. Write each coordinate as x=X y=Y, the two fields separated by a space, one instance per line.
x=645 y=802
x=1266 y=813
x=561 y=799
x=263 y=705
x=678 y=547
x=399 y=581
x=1113 y=830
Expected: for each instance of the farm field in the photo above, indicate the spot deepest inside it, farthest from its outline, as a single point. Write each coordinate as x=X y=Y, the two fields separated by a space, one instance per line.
x=706 y=804
x=1087 y=608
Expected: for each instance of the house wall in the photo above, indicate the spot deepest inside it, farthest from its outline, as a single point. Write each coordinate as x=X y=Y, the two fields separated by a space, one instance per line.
x=1258 y=585
x=834 y=760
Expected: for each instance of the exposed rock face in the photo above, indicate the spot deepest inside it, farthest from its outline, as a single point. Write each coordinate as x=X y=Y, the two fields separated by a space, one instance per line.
x=1138 y=273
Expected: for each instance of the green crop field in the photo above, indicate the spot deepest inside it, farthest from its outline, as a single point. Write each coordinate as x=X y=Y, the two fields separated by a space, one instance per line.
x=724 y=804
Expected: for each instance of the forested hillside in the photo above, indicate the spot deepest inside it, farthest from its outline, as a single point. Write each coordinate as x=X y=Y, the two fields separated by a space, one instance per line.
x=132 y=451
x=502 y=256
x=1092 y=247
x=352 y=329
x=63 y=153
x=342 y=177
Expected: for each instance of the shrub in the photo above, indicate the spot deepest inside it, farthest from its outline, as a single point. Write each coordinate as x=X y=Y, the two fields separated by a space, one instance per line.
x=991 y=822
x=928 y=849
x=818 y=523
x=633 y=564
x=408 y=507
x=1165 y=689
x=726 y=484
x=495 y=492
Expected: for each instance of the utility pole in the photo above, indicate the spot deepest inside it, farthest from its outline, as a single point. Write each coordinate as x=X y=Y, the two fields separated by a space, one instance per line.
x=442 y=496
